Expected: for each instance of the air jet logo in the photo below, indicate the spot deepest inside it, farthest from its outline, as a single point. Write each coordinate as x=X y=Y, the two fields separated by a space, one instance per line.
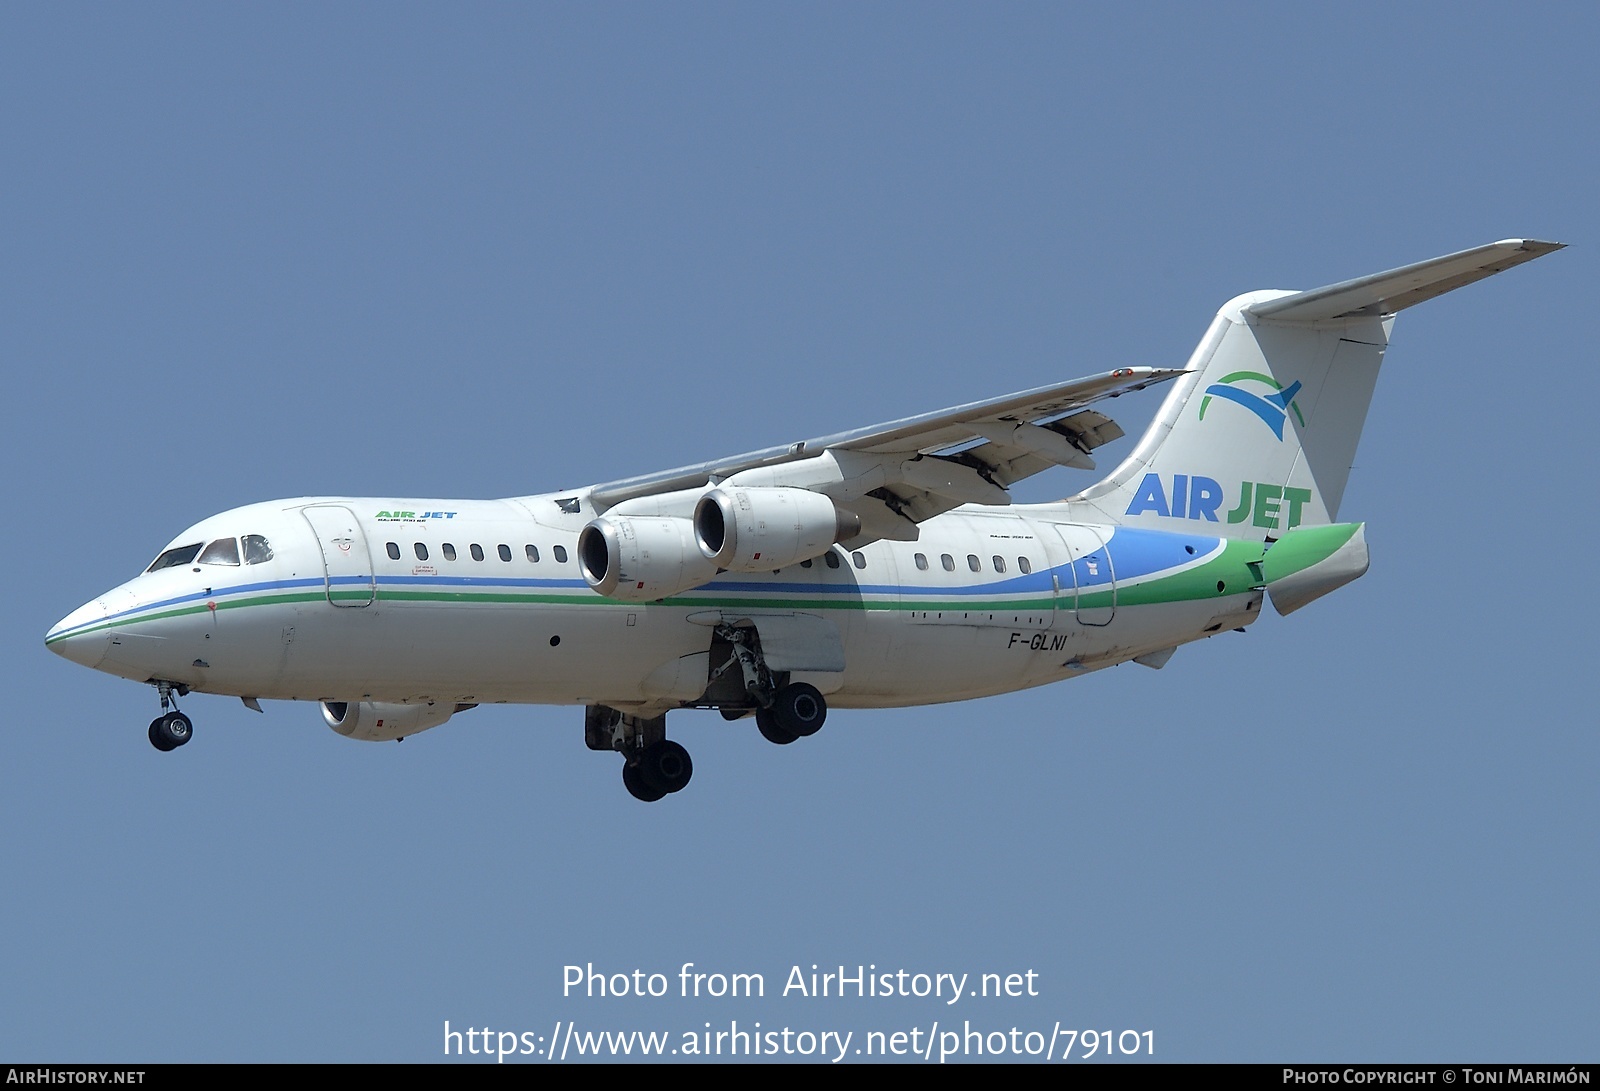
x=1273 y=409
x=412 y=516
x=1201 y=498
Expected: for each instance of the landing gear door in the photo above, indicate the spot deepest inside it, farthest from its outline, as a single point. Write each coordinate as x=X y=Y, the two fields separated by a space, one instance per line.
x=800 y=642
x=1092 y=570
x=346 y=561
x=789 y=641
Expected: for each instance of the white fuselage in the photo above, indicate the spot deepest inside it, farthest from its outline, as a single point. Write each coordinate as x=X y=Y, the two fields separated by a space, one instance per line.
x=473 y=601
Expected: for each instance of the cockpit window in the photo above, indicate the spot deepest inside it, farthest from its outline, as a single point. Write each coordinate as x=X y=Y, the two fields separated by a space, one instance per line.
x=177 y=555
x=256 y=549
x=221 y=551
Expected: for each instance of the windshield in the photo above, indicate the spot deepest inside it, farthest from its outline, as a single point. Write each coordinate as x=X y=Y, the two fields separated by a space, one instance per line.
x=175 y=556
x=221 y=551
x=256 y=549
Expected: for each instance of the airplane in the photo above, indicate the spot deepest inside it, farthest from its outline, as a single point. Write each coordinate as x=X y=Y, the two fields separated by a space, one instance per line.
x=881 y=567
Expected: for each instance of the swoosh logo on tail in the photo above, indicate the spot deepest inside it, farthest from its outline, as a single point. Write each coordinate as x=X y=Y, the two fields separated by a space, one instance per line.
x=1272 y=409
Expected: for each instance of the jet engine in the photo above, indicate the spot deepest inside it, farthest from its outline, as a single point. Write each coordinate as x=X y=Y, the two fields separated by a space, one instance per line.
x=371 y=721
x=750 y=529
x=639 y=558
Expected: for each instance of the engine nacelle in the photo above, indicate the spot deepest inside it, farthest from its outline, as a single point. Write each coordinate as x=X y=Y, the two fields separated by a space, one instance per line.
x=749 y=529
x=639 y=558
x=371 y=721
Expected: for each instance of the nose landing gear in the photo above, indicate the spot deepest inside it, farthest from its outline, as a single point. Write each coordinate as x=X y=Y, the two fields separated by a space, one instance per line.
x=170 y=731
x=172 y=728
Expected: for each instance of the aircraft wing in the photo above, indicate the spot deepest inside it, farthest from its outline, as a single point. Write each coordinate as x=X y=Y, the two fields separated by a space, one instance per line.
x=895 y=475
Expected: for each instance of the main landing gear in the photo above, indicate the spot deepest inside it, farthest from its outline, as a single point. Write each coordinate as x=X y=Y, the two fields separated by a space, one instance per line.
x=784 y=713
x=797 y=711
x=653 y=765
x=658 y=770
x=172 y=728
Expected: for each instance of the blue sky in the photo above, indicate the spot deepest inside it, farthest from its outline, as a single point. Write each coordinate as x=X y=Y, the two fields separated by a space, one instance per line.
x=417 y=251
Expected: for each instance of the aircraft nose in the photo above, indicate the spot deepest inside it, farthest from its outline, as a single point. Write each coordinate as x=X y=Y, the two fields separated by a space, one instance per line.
x=80 y=637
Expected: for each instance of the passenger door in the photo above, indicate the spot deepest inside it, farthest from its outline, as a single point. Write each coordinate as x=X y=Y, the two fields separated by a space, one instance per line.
x=1091 y=570
x=346 y=560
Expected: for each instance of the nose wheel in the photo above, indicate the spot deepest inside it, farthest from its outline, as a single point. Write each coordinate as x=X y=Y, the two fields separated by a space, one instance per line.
x=172 y=728
x=170 y=731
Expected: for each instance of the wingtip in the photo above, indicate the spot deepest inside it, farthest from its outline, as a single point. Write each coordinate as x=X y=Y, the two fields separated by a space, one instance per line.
x=1537 y=246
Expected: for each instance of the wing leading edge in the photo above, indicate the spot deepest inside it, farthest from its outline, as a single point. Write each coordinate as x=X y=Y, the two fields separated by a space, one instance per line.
x=897 y=474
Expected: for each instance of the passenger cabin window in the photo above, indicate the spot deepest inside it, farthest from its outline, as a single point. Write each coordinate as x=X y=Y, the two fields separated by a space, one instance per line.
x=999 y=564
x=477 y=551
x=393 y=550
x=948 y=562
x=532 y=552
x=256 y=549
x=832 y=558
x=561 y=554
x=505 y=552
x=421 y=551
x=922 y=562
x=859 y=559
x=175 y=556
x=806 y=563
x=449 y=552
x=1024 y=565
x=973 y=562
x=221 y=551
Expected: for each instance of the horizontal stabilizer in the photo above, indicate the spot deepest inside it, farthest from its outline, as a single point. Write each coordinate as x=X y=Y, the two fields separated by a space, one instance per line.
x=1397 y=289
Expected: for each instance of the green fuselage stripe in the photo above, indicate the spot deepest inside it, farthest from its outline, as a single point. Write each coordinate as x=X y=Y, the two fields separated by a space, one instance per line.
x=1228 y=568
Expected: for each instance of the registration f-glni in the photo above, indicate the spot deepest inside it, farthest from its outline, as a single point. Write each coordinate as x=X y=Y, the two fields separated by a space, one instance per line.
x=876 y=568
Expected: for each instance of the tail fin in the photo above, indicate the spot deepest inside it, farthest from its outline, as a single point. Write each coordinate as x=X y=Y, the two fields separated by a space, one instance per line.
x=1260 y=436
